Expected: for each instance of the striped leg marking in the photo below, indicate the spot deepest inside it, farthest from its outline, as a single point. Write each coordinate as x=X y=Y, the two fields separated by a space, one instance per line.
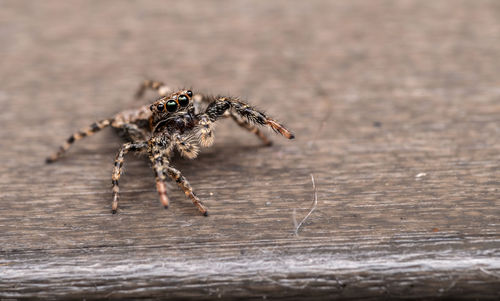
x=218 y=108
x=89 y=131
x=159 y=164
x=186 y=187
x=117 y=170
x=251 y=128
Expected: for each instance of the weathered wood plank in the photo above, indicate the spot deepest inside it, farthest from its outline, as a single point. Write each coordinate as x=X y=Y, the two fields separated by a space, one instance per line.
x=396 y=110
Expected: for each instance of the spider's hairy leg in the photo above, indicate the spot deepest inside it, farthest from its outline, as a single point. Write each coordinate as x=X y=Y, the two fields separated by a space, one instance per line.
x=117 y=170
x=89 y=131
x=153 y=85
x=132 y=131
x=257 y=117
x=251 y=128
x=218 y=108
x=186 y=187
x=158 y=156
x=207 y=138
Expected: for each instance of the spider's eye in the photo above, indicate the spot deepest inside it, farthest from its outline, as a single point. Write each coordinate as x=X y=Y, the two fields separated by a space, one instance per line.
x=160 y=107
x=151 y=107
x=189 y=93
x=171 y=105
x=183 y=100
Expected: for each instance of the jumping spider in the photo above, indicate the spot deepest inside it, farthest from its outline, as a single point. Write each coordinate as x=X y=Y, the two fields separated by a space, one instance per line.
x=174 y=121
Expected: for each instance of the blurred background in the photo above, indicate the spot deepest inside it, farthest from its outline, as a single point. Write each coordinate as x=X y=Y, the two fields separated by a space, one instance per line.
x=314 y=54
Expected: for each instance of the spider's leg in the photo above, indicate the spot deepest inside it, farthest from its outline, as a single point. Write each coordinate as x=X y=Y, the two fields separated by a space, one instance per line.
x=249 y=113
x=153 y=85
x=132 y=132
x=252 y=128
x=219 y=108
x=186 y=187
x=117 y=170
x=160 y=150
x=89 y=131
x=160 y=161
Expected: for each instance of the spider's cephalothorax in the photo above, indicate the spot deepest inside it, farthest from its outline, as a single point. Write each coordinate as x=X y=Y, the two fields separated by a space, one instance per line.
x=176 y=121
x=175 y=112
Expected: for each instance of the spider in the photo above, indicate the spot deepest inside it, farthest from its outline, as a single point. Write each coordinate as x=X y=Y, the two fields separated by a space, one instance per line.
x=177 y=120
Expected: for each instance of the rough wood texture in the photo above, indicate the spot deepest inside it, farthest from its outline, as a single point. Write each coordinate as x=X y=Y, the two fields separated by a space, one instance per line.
x=395 y=105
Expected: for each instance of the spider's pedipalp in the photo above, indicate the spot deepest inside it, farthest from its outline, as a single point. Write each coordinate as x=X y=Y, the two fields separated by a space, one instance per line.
x=89 y=131
x=185 y=146
x=205 y=131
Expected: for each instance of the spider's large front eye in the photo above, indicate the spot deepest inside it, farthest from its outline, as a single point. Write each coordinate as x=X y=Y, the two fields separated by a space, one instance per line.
x=189 y=93
x=171 y=105
x=183 y=100
x=160 y=107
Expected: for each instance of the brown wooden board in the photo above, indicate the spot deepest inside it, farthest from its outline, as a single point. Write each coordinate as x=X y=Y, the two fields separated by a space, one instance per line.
x=396 y=110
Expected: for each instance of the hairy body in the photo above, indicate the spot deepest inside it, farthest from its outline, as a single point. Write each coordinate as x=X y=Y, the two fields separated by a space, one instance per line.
x=179 y=121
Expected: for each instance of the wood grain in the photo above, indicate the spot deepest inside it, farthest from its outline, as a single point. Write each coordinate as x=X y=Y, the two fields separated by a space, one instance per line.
x=395 y=106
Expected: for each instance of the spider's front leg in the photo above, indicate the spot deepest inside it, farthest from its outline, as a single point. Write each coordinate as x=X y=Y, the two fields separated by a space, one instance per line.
x=186 y=187
x=89 y=131
x=251 y=128
x=245 y=115
x=117 y=170
x=160 y=149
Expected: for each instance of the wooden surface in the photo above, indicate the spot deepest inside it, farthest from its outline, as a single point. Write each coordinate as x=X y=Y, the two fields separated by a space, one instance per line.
x=396 y=110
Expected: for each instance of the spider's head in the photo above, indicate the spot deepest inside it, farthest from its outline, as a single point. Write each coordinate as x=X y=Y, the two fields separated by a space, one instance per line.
x=173 y=110
x=171 y=104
